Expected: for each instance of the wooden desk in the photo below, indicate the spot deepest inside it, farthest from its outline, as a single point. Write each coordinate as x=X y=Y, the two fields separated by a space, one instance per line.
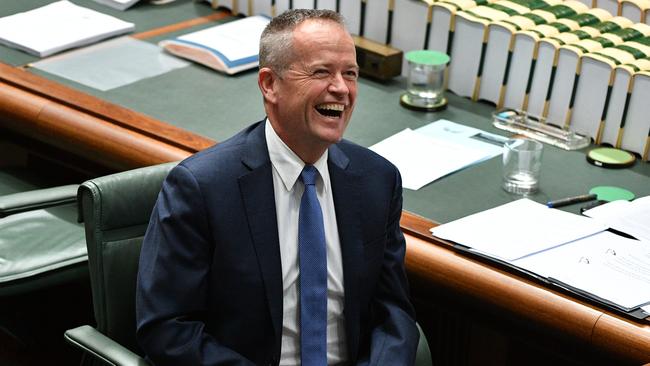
x=123 y=138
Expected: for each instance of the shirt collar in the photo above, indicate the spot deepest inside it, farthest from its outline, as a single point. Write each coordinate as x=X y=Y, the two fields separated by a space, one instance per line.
x=286 y=162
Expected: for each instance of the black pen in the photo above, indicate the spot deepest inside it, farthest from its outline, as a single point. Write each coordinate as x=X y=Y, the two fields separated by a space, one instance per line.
x=571 y=200
x=591 y=205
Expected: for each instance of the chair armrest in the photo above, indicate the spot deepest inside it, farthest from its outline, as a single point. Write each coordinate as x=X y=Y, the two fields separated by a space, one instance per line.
x=41 y=198
x=103 y=348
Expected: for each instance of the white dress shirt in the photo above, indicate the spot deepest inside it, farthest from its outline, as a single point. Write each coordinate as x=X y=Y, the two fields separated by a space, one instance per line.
x=288 y=190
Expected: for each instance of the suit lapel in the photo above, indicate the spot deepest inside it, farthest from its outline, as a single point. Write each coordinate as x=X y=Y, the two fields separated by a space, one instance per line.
x=347 y=192
x=259 y=201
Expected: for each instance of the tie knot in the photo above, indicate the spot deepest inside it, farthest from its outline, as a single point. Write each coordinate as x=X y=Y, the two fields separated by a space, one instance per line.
x=308 y=175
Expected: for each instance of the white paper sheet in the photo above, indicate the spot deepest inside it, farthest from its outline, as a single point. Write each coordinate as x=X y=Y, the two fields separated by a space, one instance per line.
x=422 y=159
x=517 y=229
x=449 y=147
x=630 y=217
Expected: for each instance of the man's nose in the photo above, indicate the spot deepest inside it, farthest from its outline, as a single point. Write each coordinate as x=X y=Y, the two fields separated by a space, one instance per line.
x=338 y=85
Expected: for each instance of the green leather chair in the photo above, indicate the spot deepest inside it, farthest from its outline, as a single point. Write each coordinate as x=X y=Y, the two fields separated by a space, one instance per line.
x=116 y=210
x=42 y=254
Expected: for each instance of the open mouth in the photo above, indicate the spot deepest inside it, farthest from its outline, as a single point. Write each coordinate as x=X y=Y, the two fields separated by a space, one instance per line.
x=330 y=109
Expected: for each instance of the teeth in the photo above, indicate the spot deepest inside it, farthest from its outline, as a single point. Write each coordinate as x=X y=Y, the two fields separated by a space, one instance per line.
x=331 y=107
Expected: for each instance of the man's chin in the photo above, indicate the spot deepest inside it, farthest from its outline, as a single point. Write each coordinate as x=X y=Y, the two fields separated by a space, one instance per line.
x=331 y=137
x=330 y=130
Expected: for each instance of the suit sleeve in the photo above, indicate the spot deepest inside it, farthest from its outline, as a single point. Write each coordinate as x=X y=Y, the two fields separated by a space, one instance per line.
x=171 y=298
x=394 y=335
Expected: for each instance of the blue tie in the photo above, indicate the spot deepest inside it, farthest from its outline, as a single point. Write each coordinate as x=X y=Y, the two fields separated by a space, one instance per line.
x=313 y=274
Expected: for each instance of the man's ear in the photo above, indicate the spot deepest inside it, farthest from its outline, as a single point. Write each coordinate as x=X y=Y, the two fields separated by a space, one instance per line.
x=267 y=81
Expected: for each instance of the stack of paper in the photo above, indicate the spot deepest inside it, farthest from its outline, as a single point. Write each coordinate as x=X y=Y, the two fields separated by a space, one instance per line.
x=517 y=229
x=231 y=47
x=57 y=27
x=572 y=251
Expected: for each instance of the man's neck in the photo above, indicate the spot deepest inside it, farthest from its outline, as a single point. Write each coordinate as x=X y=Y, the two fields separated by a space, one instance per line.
x=309 y=154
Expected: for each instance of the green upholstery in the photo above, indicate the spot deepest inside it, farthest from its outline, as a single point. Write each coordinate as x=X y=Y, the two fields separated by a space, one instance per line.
x=423 y=357
x=41 y=242
x=37 y=199
x=115 y=210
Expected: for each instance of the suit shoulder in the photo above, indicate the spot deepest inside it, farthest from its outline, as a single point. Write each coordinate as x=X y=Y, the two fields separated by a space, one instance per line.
x=220 y=158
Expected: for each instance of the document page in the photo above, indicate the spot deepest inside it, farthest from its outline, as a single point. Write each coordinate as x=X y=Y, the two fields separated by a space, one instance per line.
x=517 y=229
x=630 y=217
x=606 y=265
x=422 y=159
x=472 y=138
x=58 y=26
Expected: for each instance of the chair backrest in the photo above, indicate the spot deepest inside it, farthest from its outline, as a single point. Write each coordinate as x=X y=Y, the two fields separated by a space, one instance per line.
x=116 y=210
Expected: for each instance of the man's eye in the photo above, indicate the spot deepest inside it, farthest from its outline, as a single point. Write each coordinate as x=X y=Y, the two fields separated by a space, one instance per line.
x=321 y=72
x=352 y=75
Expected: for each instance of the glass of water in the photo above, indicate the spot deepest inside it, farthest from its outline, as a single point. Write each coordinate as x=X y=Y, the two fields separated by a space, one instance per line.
x=425 y=80
x=522 y=164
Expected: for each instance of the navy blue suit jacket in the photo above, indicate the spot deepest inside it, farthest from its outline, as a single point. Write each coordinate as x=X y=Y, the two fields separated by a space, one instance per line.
x=210 y=285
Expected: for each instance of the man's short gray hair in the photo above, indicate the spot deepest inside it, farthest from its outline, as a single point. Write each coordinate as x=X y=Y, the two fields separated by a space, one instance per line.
x=276 y=42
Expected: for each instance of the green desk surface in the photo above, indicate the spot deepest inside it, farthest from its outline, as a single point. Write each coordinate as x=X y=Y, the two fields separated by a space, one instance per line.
x=217 y=106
